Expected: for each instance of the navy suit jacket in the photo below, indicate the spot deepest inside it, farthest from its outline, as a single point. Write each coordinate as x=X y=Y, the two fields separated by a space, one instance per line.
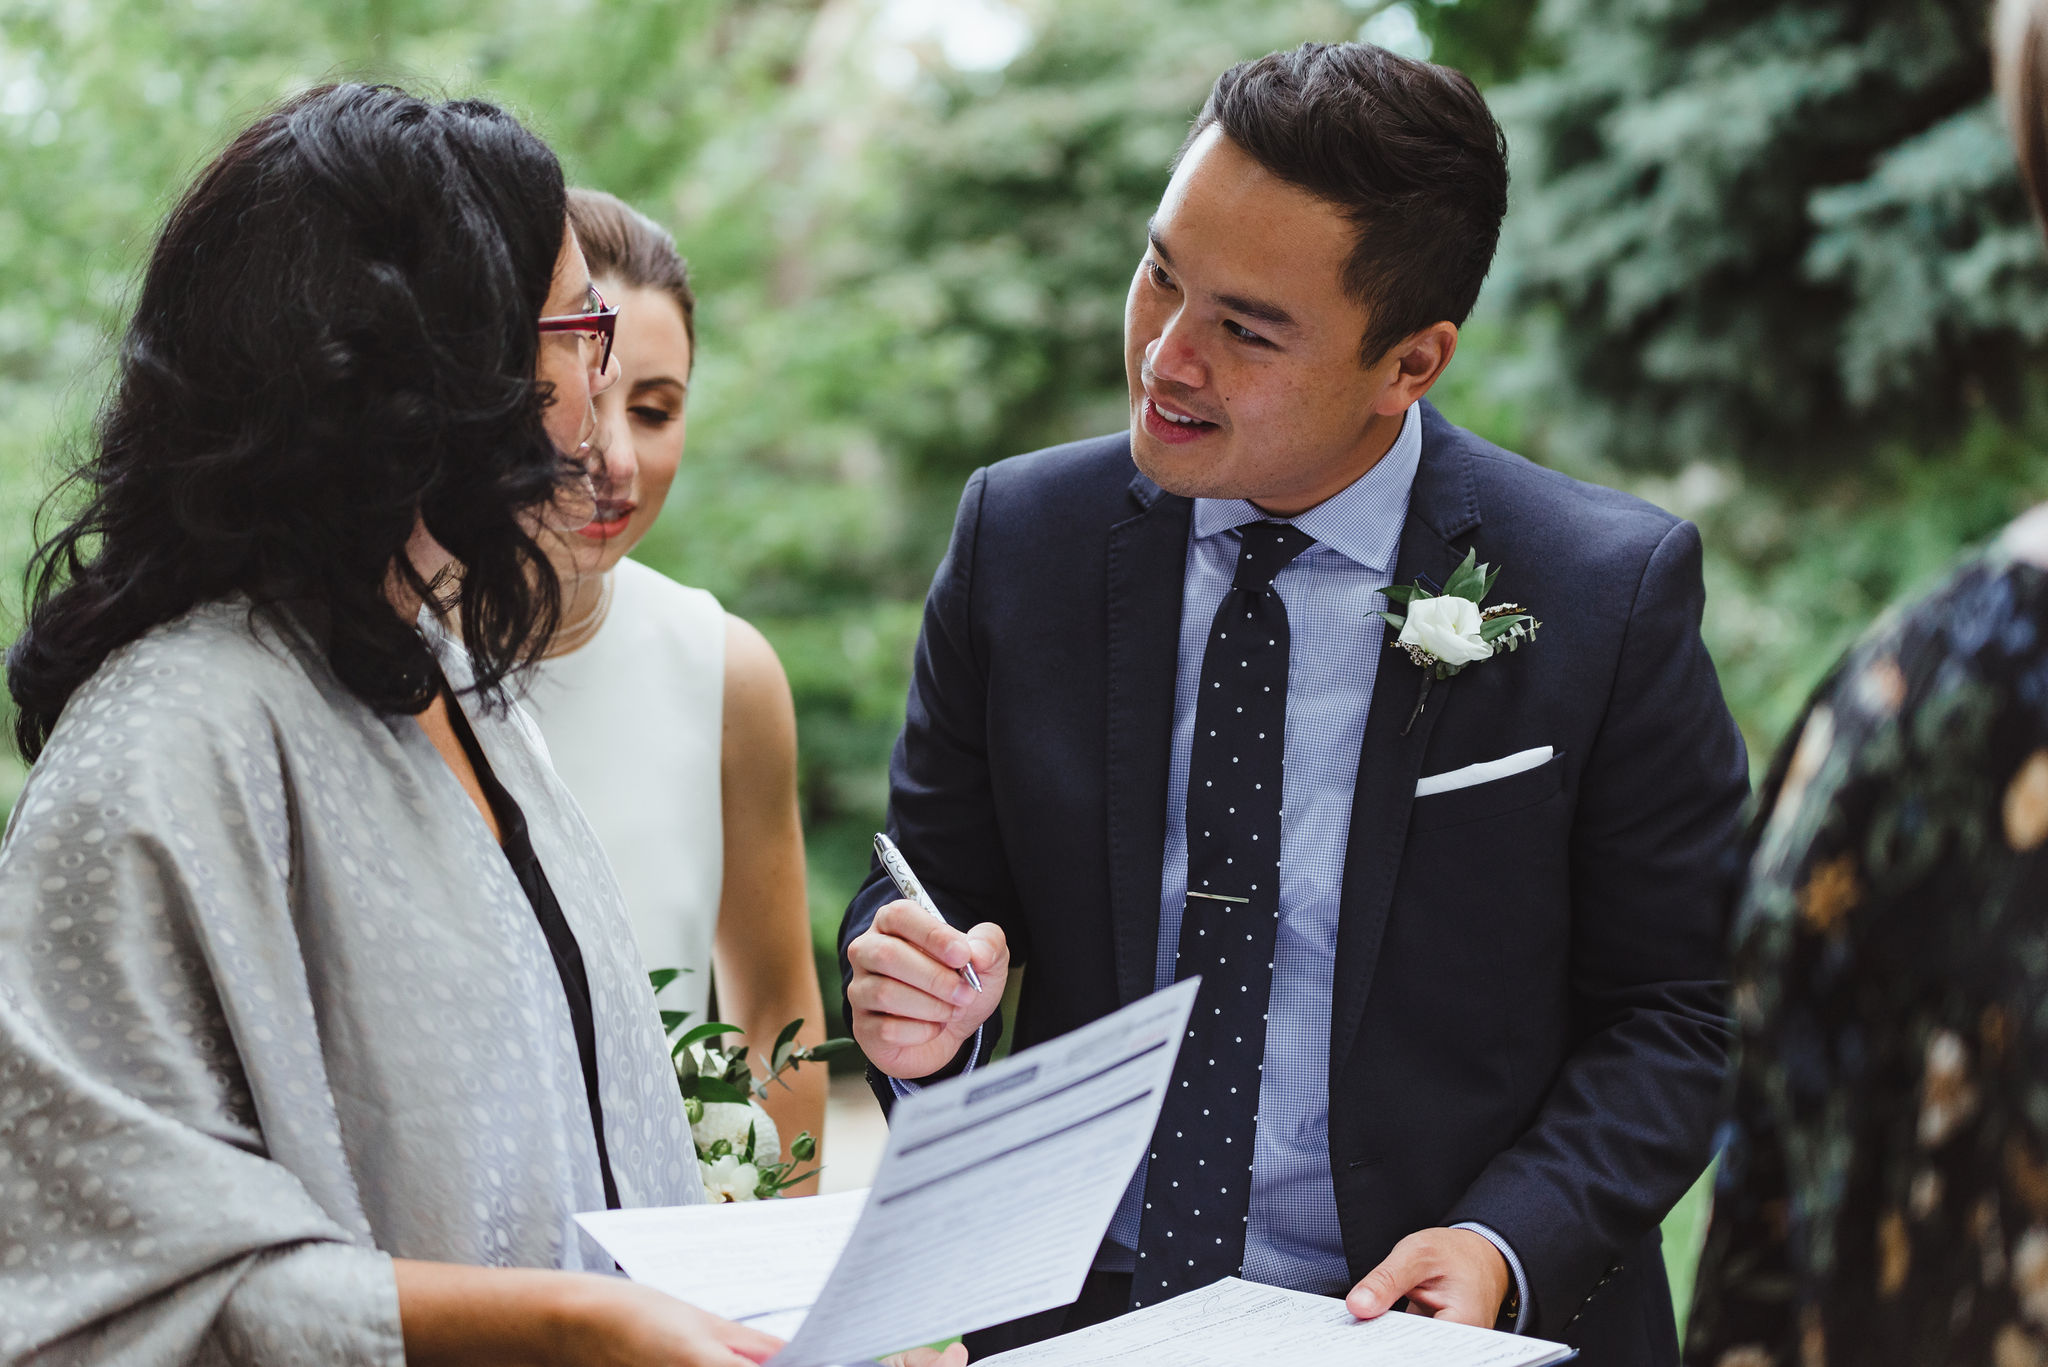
x=1527 y=1024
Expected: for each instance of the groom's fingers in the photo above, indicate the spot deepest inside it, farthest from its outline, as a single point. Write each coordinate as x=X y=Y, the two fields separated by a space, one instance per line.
x=1382 y=1288
x=887 y=951
x=889 y=997
x=989 y=948
x=898 y=1033
x=908 y=922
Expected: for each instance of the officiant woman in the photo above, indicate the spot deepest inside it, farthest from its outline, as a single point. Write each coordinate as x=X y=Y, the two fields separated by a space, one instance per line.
x=314 y=984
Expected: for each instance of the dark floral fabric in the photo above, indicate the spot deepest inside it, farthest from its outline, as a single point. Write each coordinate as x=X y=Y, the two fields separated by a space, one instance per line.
x=1883 y=1195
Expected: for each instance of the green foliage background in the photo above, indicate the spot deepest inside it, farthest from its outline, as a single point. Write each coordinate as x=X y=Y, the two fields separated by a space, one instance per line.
x=1767 y=265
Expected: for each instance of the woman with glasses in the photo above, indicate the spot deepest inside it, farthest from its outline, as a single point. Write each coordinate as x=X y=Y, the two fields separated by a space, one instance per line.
x=670 y=720
x=319 y=1013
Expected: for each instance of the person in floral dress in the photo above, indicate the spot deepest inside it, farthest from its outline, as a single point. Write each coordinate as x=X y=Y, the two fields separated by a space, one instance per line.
x=1883 y=1197
x=1883 y=1193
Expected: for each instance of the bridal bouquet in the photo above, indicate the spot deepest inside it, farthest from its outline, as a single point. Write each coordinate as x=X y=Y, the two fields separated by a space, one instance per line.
x=738 y=1149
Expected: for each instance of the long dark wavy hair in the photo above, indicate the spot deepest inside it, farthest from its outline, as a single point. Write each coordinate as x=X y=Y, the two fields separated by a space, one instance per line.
x=334 y=340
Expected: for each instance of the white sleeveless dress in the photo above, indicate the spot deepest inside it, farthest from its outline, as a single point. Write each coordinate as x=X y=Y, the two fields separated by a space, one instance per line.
x=634 y=720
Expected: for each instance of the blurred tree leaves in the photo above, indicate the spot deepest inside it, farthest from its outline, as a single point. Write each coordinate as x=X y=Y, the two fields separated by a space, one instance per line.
x=1776 y=231
x=1492 y=41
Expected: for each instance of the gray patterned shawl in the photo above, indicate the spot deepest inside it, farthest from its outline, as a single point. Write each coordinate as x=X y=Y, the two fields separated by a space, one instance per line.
x=274 y=1010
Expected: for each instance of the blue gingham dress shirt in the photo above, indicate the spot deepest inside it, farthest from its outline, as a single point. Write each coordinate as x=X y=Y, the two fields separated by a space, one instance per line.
x=1333 y=605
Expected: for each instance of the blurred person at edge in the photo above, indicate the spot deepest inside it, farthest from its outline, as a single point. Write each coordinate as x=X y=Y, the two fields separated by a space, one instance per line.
x=319 y=1011
x=669 y=719
x=1882 y=1199
x=1474 y=1053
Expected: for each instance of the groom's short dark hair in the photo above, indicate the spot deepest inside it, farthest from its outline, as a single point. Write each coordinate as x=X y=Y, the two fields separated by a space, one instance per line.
x=1406 y=149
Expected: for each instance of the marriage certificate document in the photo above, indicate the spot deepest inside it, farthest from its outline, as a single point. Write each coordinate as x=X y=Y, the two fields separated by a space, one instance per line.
x=993 y=1195
x=1232 y=1322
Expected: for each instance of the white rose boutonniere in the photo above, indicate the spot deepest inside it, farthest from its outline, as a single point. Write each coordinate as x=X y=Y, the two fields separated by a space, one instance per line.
x=1447 y=629
x=1444 y=632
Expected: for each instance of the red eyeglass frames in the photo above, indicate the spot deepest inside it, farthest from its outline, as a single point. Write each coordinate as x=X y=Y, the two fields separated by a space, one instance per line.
x=600 y=322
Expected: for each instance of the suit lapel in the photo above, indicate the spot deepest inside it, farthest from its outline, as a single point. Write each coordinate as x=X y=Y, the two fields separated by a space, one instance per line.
x=1147 y=567
x=1442 y=507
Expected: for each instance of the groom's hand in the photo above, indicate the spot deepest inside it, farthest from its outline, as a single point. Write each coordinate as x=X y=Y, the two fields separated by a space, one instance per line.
x=912 y=1007
x=1449 y=1274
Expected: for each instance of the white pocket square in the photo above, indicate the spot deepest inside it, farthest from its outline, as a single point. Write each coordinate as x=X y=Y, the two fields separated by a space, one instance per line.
x=1487 y=772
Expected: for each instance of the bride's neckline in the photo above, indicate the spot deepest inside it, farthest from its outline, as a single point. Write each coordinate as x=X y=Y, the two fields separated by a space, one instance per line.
x=581 y=631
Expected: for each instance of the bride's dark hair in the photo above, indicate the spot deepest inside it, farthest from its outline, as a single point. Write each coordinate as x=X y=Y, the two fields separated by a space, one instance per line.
x=334 y=340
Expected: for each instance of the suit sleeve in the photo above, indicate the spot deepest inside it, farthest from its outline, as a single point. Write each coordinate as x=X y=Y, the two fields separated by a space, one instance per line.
x=941 y=804
x=1628 y=1124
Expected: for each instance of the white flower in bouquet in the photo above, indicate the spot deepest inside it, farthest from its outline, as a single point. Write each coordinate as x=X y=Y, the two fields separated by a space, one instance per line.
x=739 y=1150
x=729 y=1120
x=731 y=1178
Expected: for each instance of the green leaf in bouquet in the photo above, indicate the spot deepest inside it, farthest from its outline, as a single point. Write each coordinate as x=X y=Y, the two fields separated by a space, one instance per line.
x=1394 y=619
x=830 y=1048
x=661 y=977
x=1404 y=594
x=686 y=1066
x=672 y=1021
x=708 y=1030
x=748 y=1156
x=711 y=1090
x=786 y=1054
x=1494 y=627
x=736 y=1070
x=777 y=1179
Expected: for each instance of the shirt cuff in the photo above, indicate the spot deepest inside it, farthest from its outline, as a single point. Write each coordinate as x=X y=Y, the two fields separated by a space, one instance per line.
x=903 y=1089
x=1514 y=1266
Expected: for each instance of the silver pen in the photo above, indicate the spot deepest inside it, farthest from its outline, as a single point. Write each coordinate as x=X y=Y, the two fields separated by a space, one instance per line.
x=907 y=884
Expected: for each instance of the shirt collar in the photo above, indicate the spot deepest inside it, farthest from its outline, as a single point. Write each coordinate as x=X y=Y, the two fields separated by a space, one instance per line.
x=1362 y=523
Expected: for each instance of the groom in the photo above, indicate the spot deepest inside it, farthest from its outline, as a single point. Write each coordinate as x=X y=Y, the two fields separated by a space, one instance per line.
x=1460 y=1036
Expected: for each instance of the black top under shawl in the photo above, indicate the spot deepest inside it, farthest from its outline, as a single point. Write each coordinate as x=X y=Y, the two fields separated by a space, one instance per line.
x=533 y=881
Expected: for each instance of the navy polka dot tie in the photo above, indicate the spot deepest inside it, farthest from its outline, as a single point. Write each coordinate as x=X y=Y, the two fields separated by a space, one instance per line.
x=1198 y=1179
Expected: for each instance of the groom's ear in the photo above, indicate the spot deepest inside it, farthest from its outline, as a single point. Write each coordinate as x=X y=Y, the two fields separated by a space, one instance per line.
x=1412 y=366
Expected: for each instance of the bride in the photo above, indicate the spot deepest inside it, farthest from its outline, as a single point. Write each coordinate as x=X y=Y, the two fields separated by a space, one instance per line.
x=669 y=719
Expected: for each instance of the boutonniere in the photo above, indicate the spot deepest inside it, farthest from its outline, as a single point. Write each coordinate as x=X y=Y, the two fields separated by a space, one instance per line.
x=1444 y=632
